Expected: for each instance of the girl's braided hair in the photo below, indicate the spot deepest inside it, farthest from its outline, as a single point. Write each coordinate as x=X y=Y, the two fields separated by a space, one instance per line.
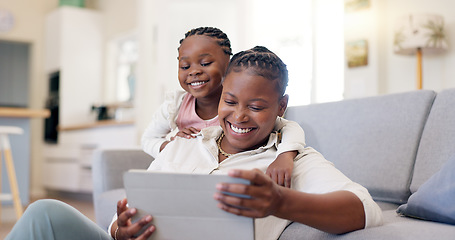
x=264 y=63
x=221 y=37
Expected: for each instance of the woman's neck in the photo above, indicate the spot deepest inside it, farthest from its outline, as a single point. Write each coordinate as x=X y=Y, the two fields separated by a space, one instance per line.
x=225 y=151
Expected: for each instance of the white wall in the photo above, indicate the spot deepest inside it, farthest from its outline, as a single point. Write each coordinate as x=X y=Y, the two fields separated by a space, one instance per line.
x=161 y=26
x=388 y=72
x=247 y=23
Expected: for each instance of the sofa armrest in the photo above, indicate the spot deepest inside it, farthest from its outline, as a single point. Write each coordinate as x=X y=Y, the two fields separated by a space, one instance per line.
x=108 y=167
x=110 y=164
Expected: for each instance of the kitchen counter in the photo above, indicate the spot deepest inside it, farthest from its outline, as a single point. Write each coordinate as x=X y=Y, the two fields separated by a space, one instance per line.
x=10 y=112
x=97 y=124
x=20 y=145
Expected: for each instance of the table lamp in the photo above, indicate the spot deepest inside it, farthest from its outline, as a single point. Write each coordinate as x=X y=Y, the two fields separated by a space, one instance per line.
x=420 y=34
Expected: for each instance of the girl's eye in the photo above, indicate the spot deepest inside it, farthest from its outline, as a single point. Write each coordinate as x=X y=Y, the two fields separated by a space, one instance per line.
x=185 y=67
x=206 y=64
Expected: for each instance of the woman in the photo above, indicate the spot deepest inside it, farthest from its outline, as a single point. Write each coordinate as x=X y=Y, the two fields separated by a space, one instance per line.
x=253 y=97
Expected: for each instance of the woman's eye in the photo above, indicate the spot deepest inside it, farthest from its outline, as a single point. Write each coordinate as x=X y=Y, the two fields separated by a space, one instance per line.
x=206 y=64
x=229 y=102
x=256 y=108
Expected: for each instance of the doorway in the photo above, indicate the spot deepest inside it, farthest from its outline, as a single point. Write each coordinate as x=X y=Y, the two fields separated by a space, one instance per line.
x=14 y=73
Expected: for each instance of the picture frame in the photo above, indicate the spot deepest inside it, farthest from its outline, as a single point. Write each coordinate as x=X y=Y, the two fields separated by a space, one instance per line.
x=356 y=5
x=357 y=53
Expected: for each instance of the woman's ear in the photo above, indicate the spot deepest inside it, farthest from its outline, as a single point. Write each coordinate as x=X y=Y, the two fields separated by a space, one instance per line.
x=283 y=104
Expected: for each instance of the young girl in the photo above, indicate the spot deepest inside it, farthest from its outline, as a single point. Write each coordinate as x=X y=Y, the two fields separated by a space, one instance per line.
x=203 y=59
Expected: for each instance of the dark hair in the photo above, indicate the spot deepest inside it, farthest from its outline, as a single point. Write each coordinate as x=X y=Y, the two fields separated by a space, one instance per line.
x=221 y=37
x=264 y=62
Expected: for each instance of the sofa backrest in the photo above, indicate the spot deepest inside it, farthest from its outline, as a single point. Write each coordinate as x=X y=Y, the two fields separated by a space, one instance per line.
x=438 y=139
x=372 y=140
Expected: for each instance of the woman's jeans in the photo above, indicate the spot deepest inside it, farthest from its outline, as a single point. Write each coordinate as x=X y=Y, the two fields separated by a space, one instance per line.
x=49 y=219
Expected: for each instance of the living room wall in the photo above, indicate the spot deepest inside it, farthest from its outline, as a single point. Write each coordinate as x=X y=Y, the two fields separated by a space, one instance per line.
x=387 y=72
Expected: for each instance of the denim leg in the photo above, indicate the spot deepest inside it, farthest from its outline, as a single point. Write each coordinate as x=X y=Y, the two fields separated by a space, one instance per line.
x=50 y=219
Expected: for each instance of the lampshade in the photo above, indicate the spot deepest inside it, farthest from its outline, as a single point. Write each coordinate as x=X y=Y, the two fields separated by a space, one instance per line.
x=420 y=31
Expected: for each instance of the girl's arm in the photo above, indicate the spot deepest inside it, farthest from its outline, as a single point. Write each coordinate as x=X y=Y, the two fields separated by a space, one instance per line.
x=292 y=136
x=163 y=122
x=291 y=142
x=280 y=170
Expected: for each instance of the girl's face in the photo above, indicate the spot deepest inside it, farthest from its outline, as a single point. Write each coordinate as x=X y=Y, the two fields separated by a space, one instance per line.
x=202 y=64
x=248 y=109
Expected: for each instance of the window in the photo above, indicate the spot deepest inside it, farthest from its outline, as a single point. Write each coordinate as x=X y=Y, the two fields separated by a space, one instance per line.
x=284 y=27
x=126 y=69
x=308 y=36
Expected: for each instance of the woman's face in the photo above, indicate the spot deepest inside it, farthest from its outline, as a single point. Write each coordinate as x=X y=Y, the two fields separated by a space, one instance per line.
x=248 y=109
x=202 y=64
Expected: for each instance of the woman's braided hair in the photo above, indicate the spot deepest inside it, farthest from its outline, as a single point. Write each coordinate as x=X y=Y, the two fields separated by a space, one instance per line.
x=264 y=63
x=221 y=37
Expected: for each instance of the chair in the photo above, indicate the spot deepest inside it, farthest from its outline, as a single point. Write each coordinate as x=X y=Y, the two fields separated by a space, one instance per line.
x=5 y=149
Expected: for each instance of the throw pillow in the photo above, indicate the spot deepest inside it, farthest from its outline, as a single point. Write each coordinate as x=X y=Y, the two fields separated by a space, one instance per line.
x=434 y=200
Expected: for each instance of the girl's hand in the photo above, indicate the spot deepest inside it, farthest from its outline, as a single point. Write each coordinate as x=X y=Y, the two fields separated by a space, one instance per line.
x=265 y=195
x=127 y=229
x=281 y=169
x=186 y=133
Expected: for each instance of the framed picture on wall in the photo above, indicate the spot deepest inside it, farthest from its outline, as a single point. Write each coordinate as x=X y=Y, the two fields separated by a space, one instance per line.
x=357 y=53
x=356 y=5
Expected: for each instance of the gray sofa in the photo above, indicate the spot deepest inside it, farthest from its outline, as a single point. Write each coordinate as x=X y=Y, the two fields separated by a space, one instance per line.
x=390 y=144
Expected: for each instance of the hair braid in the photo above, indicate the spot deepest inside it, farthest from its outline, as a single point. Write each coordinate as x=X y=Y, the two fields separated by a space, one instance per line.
x=221 y=37
x=264 y=62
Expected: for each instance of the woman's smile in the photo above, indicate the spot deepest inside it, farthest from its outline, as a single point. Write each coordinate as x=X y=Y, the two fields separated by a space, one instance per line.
x=248 y=110
x=239 y=130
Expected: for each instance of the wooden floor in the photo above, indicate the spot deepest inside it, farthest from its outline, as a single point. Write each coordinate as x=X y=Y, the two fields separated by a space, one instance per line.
x=82 y=202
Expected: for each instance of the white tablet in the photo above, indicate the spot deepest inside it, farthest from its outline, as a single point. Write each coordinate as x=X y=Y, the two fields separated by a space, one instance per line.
x=183 y=207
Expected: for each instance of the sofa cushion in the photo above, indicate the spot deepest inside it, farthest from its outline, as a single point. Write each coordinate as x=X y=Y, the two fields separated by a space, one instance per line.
x=394 y=227
x=438 y=139
x=372 y=140
x=435 y=198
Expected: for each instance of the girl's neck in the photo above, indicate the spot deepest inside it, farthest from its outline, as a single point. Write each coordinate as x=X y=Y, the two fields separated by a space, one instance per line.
x=207 y=108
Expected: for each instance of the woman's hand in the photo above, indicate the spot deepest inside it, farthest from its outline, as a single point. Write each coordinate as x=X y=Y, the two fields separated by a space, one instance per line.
x=186 y=133
x=265 y=195
x=126 y=229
